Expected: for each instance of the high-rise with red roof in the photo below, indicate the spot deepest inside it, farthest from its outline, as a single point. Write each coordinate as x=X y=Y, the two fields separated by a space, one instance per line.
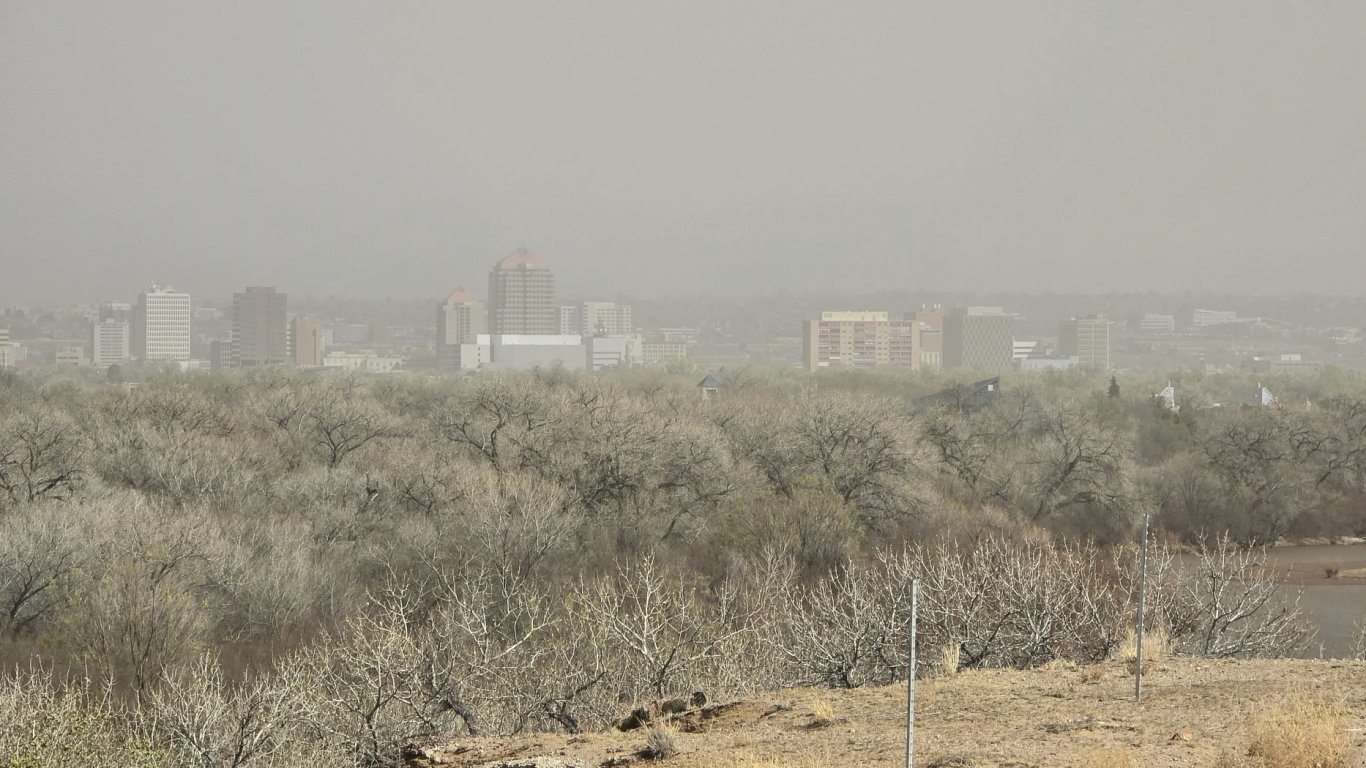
x=459 y=319
x=522 y=296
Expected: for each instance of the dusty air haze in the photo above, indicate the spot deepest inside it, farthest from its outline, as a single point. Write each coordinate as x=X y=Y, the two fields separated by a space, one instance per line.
x=373 y=149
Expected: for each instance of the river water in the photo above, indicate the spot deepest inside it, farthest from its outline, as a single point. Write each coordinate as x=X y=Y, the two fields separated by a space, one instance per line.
x=1335 y=605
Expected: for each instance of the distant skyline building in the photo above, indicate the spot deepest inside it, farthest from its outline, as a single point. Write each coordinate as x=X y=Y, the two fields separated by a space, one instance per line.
x=1204 y=318
x=306 y=341
x=860 y=339
x=1087 y=339
x=522 y=297
x=260 y=332
x=516 y=352
x=930 y=320
x=8 y=353
x=117 y=310
x=1156 y=323
x=978 y=339
x=110 y=343
x=571 y=320
x=459 y=319
x=161 y=324
x=605 y=318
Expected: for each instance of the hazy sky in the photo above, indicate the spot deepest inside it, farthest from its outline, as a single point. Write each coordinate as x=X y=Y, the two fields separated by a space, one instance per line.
x=399 y=148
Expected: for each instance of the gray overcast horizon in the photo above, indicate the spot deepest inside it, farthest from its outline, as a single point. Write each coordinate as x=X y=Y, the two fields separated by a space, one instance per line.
x=652 y=149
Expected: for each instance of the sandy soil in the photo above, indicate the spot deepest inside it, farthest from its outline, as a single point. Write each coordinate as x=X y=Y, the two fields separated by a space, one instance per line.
x=1192 y=710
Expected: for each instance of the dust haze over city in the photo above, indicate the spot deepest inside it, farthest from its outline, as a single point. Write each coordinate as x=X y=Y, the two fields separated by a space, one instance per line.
x=556 y=385
x=355 y=149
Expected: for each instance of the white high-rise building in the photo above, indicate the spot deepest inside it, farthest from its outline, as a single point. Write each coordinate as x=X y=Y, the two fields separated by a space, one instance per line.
x=109 y=343
x=161 y=324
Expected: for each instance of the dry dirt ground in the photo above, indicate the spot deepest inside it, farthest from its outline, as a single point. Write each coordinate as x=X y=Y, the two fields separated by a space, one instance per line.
x=1060 y=716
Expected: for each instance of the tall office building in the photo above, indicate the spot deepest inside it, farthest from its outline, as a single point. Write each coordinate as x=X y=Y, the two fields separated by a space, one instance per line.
x=161 y=324
x=1087 y=339
x=860 y=340
x=306 y=341
x=459 y=319
x=109 y=343
x=260 y=333
x=978 y=339
x=522 y=296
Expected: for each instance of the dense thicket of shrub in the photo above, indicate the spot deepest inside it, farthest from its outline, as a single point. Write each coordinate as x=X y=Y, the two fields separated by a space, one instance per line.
x=227 y=564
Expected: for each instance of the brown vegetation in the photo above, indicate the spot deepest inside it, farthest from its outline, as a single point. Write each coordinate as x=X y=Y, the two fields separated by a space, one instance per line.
x=222 y=565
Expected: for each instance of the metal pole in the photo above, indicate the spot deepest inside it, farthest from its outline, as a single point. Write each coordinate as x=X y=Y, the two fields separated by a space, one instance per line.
x=910 y=683
x=1138 y=625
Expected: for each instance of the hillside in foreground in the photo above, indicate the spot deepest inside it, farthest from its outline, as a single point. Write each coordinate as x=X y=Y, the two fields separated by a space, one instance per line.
x=1194 y=710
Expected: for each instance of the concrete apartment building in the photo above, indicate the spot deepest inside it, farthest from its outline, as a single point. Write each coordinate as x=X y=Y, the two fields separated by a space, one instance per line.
x=260 y=327
x=110 y=343
x=860 y=340
x=978 y=339
x=306 y=341
x=1087 y=339
x=161 y=324
x=459 y=319
x=522 y=297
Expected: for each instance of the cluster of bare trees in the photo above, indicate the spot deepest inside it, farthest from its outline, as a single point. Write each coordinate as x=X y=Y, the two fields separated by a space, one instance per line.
x=229 y=567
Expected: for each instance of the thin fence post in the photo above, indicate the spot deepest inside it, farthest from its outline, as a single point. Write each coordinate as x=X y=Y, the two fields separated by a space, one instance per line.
x=910 y=681
x=1139 y=623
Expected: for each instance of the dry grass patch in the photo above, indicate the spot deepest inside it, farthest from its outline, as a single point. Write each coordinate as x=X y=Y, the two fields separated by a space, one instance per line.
x=822 y=713
x=1301 y=731
x=950 y=657
x=1157 y=645
x=1107 y=758
x=661 y=743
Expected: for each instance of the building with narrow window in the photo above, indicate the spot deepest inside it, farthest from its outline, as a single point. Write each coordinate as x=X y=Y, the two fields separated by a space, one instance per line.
x=260 y=327
x=522 y=297
x=860 y=340
x=109 y=343
x=161 y=324
x=978 y=339
x=459 y=319
x=1087 y=339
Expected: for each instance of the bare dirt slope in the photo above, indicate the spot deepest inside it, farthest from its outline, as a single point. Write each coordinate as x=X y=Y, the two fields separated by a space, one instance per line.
x=1060 y=716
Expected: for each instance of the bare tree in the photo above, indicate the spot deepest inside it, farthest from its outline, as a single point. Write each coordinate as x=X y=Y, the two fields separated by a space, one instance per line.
x=209 y=723
x=1232 y=605
x=40 y=549
x=41 y=453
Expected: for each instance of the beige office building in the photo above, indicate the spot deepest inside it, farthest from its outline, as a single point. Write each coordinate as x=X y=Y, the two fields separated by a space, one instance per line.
x=109 y=343
x=306 y=341
x=978 y=339
x=1087 y=339
x=459 y=319
x=522 y=296
x=860 y=340
x=260 y=332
